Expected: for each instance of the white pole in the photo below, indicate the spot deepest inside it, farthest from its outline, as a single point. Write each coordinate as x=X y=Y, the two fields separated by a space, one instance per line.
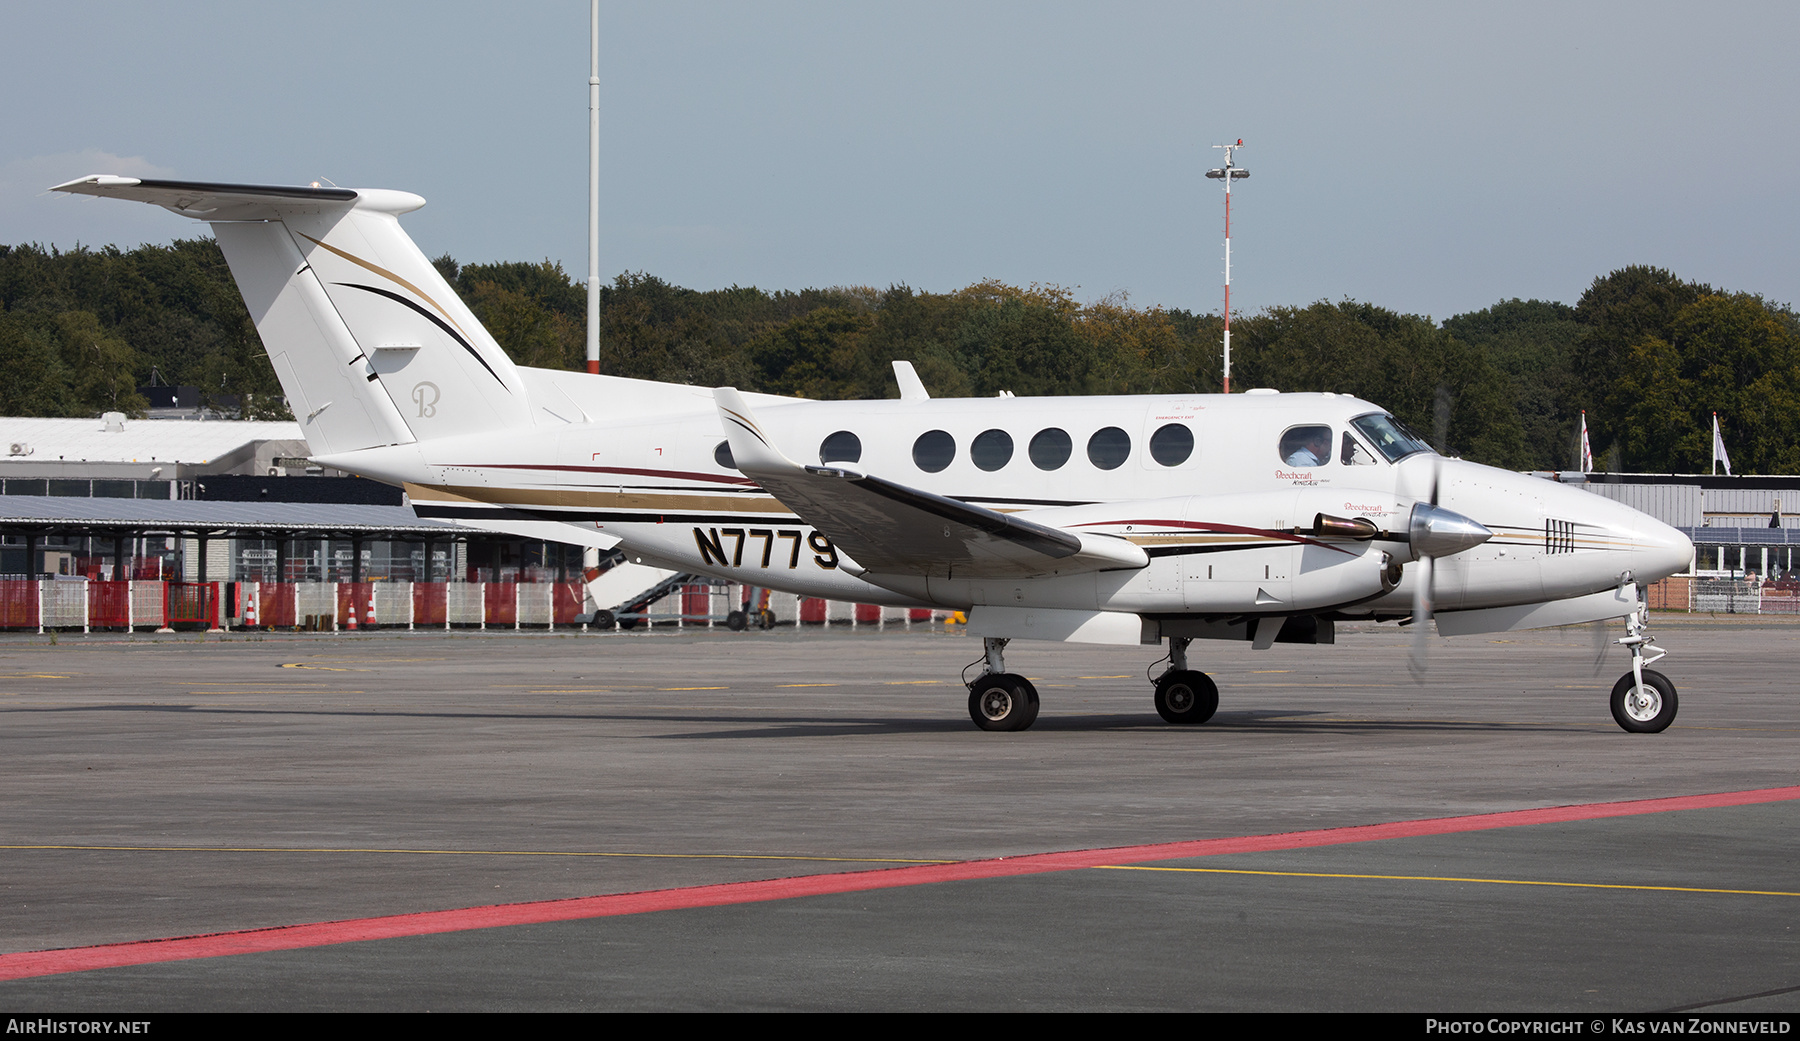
x=590 y=557
x=1228 y=173
x=593 y=300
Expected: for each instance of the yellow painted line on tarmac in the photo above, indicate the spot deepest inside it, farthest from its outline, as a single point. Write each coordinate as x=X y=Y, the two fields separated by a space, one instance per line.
x=1438 y=878
x=30 y=676
x=286 y=684
x=376 y=661
x=471 y=853
x=693 y=688
x=911 y=683
x=541 y=686
x=806 y=684
x=222 y=704
x=1325 y=686
x=1260 y=672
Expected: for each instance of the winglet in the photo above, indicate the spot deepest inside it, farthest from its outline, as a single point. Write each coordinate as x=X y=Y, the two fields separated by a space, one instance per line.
x=911 y=387
x=752 y=451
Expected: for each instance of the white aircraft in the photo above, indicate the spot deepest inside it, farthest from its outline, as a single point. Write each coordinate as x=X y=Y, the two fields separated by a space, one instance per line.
x=1258 y=517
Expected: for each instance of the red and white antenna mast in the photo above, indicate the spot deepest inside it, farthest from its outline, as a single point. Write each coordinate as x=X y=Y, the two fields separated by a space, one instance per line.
x=1228 y=173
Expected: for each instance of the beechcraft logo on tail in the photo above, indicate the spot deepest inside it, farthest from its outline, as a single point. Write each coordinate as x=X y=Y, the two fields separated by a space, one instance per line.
x=425 y=395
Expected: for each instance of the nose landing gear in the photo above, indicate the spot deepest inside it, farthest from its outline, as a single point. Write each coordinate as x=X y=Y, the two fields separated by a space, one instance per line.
x=1643 y=701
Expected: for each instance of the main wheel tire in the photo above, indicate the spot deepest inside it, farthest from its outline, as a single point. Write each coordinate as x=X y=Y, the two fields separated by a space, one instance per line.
x=735 y=621
x=1186 y=696
x=1003 y=701
x=765 y=619
x=1648 y=709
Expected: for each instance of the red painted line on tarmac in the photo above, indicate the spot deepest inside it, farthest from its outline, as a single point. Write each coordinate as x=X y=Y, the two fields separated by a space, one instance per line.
x=318 y=934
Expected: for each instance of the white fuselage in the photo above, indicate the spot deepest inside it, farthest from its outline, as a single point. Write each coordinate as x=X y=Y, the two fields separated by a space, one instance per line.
x=1218 y=521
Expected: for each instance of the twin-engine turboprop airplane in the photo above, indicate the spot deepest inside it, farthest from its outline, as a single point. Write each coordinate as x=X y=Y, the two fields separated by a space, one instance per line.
x=1258 y=517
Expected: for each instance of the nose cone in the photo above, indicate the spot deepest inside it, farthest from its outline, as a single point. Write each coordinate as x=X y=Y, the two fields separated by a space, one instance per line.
x=1651 y=549
x=1659 y=550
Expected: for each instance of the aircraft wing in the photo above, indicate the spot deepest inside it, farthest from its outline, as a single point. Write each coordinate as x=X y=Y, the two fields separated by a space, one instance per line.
x=889 y=528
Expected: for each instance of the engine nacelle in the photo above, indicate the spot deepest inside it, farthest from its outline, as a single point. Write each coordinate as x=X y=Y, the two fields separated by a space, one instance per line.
x=1302 y=577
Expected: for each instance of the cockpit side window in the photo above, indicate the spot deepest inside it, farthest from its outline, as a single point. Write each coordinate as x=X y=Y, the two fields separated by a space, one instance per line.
x=1355 y=453
x=1389 y=436
x=1306 y=446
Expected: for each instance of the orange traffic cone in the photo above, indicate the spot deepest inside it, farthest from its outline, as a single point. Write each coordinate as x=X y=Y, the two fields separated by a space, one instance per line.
x=371 y=614
x=351 y=624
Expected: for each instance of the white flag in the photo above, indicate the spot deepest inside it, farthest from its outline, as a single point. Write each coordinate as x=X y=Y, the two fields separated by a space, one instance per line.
x=1719 y=454
x=1587 y=452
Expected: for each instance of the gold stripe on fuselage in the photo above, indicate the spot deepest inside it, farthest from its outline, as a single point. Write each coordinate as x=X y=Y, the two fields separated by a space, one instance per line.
x=598 y=499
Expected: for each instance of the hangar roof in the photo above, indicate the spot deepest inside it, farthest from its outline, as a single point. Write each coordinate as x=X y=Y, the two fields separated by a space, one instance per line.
x=141 y=440
x=44 y=512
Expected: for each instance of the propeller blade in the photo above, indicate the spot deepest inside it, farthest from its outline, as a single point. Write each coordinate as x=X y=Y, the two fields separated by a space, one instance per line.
x=1421 y=620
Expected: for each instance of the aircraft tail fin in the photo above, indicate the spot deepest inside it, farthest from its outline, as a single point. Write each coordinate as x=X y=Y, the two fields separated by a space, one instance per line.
x=371 y=345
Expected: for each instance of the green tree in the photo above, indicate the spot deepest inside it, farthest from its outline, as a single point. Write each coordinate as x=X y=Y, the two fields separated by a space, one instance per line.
x=817 y=355
x=35 y=383
x=100 y=366
x=1531 y=343
x=1732 y=355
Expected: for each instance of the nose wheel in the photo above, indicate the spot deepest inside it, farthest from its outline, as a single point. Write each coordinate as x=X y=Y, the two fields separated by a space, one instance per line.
x=1643 y=701
x=1645 y=706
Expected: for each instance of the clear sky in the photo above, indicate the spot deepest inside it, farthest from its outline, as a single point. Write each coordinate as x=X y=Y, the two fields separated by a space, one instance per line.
x=1432 y=158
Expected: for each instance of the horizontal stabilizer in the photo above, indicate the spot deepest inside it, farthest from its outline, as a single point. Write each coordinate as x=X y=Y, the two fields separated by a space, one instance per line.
x=889 y=528
x=209 y=201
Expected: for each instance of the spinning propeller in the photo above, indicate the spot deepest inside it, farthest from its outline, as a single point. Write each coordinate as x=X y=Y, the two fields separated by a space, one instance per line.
x=1435 y=532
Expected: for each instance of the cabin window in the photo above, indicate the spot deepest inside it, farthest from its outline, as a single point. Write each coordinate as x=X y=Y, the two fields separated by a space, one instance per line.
x=1050 y=448
x=1306 y=446
x=991 y=449
x=841 y=447
x=722 y=456
x=934 y=450
x=1109 y=448
x=1172 y=444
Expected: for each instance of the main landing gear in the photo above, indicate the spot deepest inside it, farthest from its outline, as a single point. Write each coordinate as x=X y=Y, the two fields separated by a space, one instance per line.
x=1000 y=700
x=1643 y=701
x=1182 y=694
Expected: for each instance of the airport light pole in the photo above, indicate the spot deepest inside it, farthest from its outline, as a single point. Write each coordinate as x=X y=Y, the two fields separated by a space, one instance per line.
x=593 y=281
x=590 y=556
x=1228 y=173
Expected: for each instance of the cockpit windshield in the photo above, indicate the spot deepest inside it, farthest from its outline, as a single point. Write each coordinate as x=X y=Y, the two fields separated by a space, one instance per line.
x=1390 y=436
